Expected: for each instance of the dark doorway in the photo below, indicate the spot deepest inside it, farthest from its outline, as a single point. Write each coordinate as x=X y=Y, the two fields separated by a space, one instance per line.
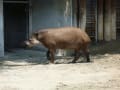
x=16 y=23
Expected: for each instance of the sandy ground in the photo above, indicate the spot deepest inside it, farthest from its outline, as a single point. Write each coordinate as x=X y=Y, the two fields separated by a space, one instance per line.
x=28 y=70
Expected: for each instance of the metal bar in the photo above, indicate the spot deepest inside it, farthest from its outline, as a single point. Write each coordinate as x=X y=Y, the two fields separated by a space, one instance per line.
x=71 y=4
x=96 y=12
x=30 y=18
x=24 y=2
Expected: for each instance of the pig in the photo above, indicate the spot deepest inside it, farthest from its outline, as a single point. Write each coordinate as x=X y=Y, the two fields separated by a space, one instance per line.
x=62 y=38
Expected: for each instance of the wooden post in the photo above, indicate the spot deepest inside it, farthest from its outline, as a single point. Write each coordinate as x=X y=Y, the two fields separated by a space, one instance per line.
x=74 y=13
x=83 y=14
x=107 y=20
x=30 y=18
x=113 y=26
x=1 y=30
x=100 y=19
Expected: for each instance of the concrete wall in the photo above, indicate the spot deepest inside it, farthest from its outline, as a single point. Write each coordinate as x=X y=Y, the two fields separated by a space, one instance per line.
x=1 y=30
x=51 y=13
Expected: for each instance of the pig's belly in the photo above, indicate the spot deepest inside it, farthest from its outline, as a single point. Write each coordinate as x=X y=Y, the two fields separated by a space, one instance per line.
x=68 y=46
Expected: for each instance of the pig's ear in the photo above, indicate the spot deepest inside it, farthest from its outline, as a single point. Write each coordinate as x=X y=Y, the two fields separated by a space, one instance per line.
x=36 y=34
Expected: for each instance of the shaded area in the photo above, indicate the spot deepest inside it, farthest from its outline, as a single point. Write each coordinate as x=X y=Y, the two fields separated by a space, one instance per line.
x=34 y=56
x=101 y=48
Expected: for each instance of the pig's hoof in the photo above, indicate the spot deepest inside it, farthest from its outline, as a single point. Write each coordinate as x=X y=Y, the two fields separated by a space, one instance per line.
x=73 y=61
x=89 y=61
x=51 y=62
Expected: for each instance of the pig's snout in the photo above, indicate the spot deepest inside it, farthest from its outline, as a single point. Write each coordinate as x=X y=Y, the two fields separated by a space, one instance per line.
x=26 y=44
x=31 y=42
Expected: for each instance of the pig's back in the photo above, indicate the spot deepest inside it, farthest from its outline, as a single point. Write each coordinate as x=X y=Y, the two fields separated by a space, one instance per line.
x=69 y=34
x=68 y=37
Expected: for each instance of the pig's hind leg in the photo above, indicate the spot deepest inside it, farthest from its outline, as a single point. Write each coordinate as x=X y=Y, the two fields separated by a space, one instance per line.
x=86 y=53
x=77 y=55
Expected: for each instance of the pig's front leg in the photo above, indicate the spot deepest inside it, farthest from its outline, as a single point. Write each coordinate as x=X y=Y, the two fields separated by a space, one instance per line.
x=48 y=55
x=52 y=54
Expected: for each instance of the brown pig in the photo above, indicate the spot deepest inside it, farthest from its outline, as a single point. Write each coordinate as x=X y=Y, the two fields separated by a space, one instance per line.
x=62 y=38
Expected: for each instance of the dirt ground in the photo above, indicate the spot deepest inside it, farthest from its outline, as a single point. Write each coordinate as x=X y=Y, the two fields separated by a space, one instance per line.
x=29 y=70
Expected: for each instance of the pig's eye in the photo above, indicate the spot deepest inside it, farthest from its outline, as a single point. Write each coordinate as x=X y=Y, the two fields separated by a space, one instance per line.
x=30 y=40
